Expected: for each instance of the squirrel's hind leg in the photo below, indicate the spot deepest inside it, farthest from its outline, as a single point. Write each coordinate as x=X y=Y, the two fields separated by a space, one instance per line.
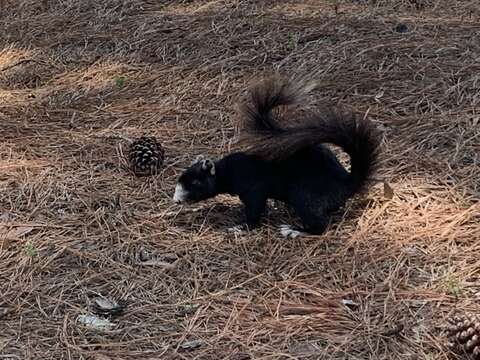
x=311 y=210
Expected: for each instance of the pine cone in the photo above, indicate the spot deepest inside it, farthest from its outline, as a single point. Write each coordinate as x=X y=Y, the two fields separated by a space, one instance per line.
x=146 y=156
x=464 y=334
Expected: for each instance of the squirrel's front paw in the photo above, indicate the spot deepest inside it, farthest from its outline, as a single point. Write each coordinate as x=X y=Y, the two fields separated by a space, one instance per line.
x=238 y=229
x=288 y=232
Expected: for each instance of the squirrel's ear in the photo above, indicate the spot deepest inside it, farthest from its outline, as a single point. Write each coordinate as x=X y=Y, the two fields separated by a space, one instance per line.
x=198 y=159
x=208 y=165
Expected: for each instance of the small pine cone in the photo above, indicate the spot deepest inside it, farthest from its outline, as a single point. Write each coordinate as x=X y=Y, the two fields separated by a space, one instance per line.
x=464 y=334
x=146 y=156
x=473 y=342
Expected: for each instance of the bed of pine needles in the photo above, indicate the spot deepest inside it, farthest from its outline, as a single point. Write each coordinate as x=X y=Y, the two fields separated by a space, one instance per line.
x=79 y=78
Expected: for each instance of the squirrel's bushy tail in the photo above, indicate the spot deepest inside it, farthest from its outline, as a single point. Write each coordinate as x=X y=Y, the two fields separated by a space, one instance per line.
x=269 y=140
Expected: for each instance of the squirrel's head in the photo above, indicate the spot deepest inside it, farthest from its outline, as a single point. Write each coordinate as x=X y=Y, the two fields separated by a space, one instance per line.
x=197 y=182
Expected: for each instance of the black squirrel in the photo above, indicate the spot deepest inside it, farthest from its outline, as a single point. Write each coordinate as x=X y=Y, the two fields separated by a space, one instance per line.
x=288 y=163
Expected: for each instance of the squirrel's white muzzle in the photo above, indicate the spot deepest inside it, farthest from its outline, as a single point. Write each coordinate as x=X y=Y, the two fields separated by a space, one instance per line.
x=180 y=194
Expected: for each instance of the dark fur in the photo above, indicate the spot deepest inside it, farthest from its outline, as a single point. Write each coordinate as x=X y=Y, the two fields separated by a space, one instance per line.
x=290 y=163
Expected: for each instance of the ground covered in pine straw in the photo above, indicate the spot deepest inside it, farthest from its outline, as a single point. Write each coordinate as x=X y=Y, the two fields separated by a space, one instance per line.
x=80 y=78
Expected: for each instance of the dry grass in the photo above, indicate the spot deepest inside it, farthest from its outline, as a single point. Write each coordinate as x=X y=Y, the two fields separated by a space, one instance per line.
x=77 y=77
